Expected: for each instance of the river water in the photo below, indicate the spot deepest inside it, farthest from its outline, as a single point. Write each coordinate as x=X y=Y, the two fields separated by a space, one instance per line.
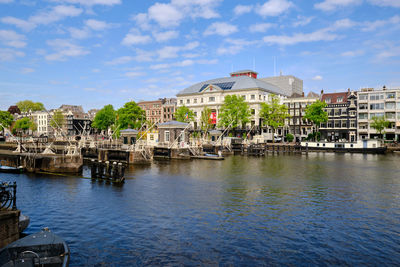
x=325 y=209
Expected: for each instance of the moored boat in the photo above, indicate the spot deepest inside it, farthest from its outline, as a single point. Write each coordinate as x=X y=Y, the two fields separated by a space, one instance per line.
x=372 y=146
x=40 y=249
x=23 y=222
x=7 y=169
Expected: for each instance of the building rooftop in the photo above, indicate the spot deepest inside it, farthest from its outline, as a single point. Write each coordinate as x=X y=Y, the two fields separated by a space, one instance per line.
x=243 y=71
x=335 y=97
x=232 y=84
x=173 y=124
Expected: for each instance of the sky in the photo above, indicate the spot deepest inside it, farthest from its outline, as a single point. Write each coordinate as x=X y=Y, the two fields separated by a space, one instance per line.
x=98 y=52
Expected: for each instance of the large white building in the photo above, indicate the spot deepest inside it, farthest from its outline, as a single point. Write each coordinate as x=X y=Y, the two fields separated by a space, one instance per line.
x=211 y=94
x=379 y=103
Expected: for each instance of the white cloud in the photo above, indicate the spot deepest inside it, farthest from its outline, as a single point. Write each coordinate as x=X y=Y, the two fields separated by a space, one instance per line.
x=343 y=24
x=274 y=8
x=221 y=28
x=91 y=2
x=372 y=26
x=234 y=46
x=331 y=5
x=390 y=52
x=353 y=53
x=386 y=3
x=302 y=21
x=242 y=9
x=135 y=38
x=120 y=60
x=165 y=36
x=134 y=74
x=19 y=23
x=27 y=70
x=6 y=1
x=172 y=51
x=64 y=49
x=261 y=27
x=319 y=35
x=55 y=14
x=97 y=25
x=79 y=33
x=166 y=15
x=317 y=78
x=13 y=39
x=8 y=54
x=183 y=63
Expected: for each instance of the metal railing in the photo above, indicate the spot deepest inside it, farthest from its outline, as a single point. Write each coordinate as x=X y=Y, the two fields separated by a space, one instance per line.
x=8 y=195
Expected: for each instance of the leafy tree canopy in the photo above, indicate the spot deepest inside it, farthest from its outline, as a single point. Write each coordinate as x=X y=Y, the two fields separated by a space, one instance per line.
x=57 y=120
x=5 y=119
x=25 y=124
x=316 y=113
x=28 y=105
x=130 y=116
x=184 y=114
x=274 y=113
x=235 y=111
x=205 y=119
x=379 y=124
x=104 y=118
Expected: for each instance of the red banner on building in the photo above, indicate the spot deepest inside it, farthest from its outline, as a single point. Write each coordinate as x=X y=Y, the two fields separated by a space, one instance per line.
x=213 y=117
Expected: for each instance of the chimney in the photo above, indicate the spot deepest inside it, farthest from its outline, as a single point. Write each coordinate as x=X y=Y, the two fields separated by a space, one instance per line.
x=384 y=87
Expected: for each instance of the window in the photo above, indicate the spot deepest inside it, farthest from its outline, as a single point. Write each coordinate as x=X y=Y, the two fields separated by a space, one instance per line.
x=253 y=97
x=195 y=114
x=181 y=101
x=363 y=116
x=390 y=105
x=211 y=99
x=363 y=106
x=328 y=100
x=376 y=106
x=337 y=124
x=344 y=124
x=166 y=136
x=398 y=104
x=330 y=123
x=253 y=111
x=352 y=124
x=339 y=99
x=390 y=115
x=376 y=96
x=187 y=101
x=244 y=97
x=195 y=101
x=201 y=100
x=390 y=95
x=151 y=137
x=259 y=97
x=296 y=105
x=371 y=115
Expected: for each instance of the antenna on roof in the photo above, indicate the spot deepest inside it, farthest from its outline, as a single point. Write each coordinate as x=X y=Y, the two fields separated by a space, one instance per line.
x=274 y=66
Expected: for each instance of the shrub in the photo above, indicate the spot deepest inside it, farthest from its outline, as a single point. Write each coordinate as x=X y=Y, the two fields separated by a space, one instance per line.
x=289 y=137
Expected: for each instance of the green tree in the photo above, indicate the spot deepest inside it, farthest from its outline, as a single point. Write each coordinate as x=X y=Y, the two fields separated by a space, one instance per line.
x=379 y=124
x=24 y=124
x=130 y=116
x=184 y=114
x=274 y=114
x=205 y=119
x=316 y=113
x=104 y=118
x=28 y=105
x=235 y=111
x=5 y=119
x=289 y=137
x=57 y=120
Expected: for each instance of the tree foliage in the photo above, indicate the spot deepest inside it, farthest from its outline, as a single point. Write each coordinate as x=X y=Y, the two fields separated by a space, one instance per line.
x=235 y=111
x=25 y=124
x=28 y=105
x=379 y=124
x=184 y=114
x=130 y=116
x=104 y=118
x=289 y=137
x=5 y=119
x=274 y=113
x=205 y=119
x=316 y=113
x=57 y=120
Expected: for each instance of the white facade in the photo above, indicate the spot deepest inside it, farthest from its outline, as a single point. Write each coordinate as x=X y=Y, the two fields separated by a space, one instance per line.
x=42 y=120
x=378 y=103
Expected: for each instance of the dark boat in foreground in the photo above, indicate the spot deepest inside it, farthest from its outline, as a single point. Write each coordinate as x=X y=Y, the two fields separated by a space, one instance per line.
x=23 y=222
x=40 y=249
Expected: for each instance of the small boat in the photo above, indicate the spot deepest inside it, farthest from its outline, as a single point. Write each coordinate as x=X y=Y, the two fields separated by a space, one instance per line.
x=23 y=222
x=7 y=169
x=40 y=249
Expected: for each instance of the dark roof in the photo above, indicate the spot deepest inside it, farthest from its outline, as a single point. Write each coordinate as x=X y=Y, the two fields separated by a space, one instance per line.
x=173 y=124
x=334 y=97
x=243 y=71
x=312 y=94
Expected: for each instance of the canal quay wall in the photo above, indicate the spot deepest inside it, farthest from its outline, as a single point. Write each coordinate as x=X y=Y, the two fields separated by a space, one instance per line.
x=9 y=231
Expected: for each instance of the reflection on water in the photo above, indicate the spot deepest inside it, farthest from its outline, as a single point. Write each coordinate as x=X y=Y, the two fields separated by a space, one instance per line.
x=310 y=209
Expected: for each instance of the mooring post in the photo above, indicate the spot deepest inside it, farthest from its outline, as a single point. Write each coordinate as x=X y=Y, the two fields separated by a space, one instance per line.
x=115 y=171
x=108 y=169
x=93 y=170
x=100 y=172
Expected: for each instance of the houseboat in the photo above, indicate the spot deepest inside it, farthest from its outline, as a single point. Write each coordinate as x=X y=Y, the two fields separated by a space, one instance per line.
x=373 y=146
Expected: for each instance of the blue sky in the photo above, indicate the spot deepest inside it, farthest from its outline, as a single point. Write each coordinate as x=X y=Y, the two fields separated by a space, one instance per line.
x=98 y=52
